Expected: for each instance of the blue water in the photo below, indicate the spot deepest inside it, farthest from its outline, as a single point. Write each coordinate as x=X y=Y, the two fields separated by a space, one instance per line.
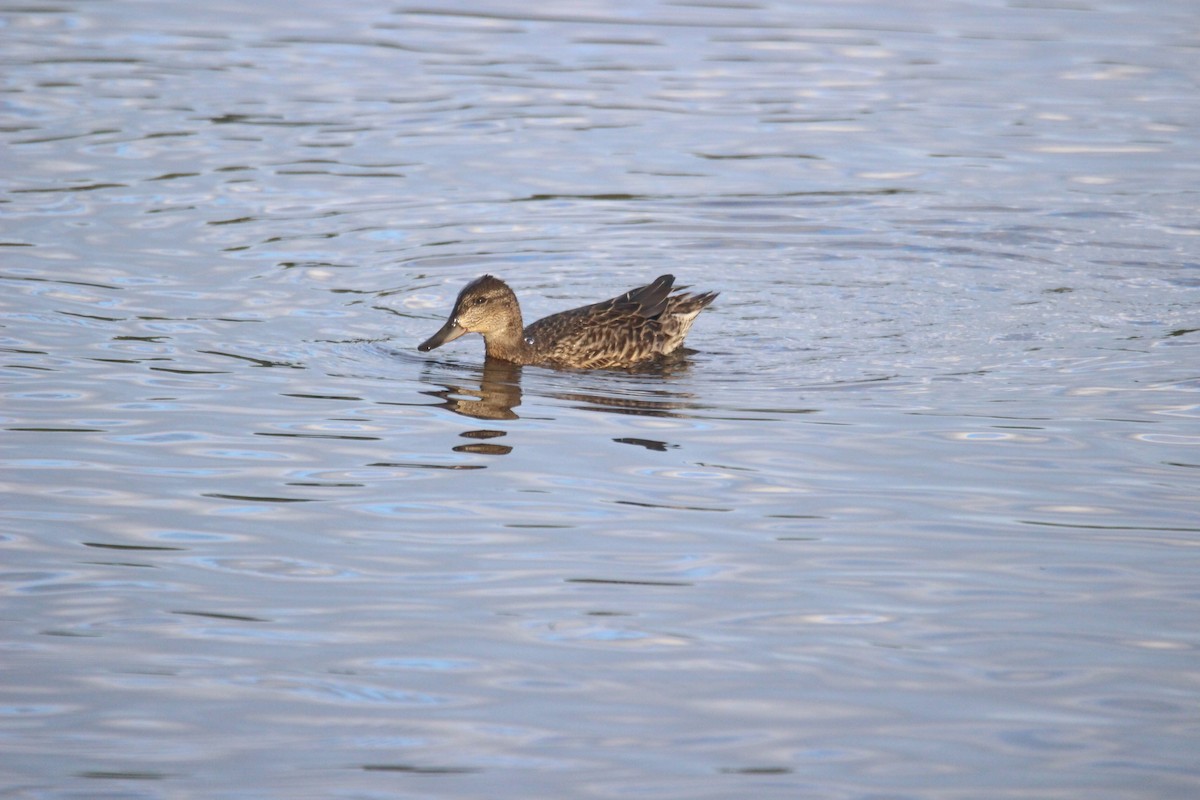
x=918 y=518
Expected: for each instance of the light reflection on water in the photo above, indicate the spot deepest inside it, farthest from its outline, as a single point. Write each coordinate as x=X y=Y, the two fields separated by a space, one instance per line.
x=916 y=517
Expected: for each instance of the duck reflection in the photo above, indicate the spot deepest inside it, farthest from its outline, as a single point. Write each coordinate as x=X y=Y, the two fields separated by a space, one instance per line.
x=482 y=447
x=648 y=399
x=498 y=393
x=637 y=406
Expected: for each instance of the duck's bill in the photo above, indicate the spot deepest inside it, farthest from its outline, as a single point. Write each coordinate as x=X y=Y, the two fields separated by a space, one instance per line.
x=449 y=332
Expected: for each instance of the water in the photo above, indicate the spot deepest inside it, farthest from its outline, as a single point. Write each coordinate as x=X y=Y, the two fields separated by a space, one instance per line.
x=918 y=518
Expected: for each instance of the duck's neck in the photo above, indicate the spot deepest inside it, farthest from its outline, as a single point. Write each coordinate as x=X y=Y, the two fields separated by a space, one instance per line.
x=508 y=343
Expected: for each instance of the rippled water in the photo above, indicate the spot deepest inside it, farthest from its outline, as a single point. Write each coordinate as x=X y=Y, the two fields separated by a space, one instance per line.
x=918 y=518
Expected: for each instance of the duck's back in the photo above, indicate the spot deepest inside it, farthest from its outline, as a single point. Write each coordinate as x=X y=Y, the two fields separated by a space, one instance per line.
x=639 y=325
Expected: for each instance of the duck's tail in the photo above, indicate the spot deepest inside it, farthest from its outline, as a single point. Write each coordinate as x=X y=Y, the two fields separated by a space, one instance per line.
x=681 y=312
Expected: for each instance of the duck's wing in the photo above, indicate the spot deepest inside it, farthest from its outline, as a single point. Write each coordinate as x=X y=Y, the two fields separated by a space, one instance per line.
x=624 y=329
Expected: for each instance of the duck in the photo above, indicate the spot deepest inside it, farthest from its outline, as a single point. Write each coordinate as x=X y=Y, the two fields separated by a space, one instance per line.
x=643 y=324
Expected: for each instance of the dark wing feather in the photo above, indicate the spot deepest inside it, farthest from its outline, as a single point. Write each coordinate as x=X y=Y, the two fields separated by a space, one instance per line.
x=648 y=301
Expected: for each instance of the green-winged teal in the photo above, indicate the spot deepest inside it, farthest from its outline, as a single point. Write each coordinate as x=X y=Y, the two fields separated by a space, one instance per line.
x=640 y=325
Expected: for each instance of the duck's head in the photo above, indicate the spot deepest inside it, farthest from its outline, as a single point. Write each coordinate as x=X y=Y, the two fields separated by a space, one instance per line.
x=485 y=305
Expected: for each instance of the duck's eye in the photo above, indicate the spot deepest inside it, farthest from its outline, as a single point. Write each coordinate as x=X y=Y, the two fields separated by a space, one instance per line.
x=480 y=301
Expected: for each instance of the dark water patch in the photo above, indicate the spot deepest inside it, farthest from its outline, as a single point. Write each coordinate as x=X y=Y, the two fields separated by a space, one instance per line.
x=626 y=582
x=669 y=506
x=222 y=616
x=413 y=769
x=258 y=499
x=112 y=546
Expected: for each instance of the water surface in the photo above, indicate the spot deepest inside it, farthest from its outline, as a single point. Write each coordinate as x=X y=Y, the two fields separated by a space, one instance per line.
x=917 y=519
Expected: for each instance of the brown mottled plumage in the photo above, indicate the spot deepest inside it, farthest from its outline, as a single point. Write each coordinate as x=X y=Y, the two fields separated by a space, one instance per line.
x=639 y=325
